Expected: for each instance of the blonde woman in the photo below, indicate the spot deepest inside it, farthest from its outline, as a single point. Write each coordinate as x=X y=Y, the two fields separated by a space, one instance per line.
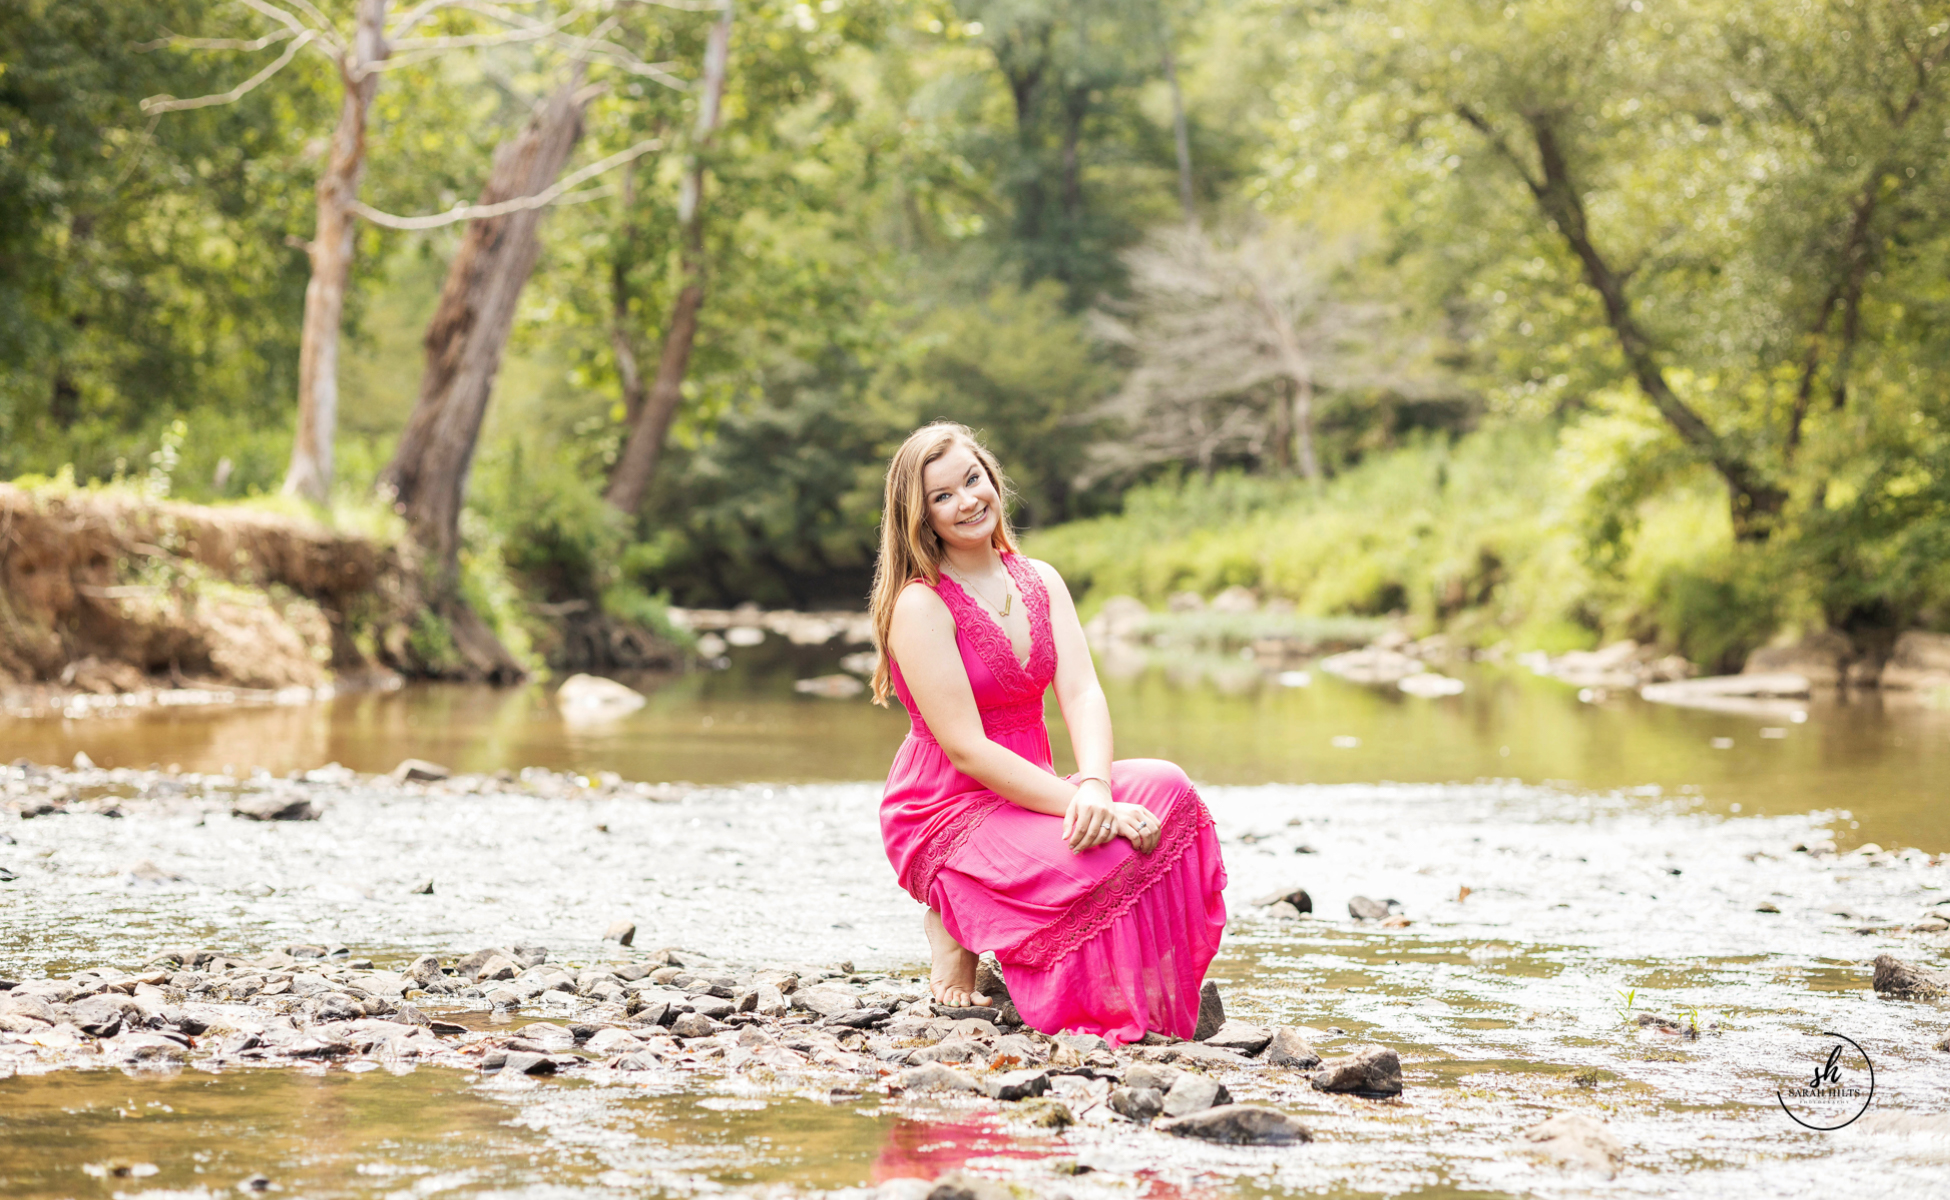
x=1099 y=893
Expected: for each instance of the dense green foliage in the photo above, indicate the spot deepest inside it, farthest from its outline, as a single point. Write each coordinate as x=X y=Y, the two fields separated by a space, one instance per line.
x=1678 y=264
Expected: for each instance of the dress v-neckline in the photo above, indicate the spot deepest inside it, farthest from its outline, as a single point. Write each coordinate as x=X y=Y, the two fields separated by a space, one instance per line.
x=1028 y=661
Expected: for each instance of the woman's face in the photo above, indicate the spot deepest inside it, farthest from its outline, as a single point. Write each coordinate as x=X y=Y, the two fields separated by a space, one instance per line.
x=962 y=507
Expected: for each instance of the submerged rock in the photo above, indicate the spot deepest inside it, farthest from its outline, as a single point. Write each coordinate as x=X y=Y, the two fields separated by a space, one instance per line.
x=1907 y=981
x=1239 y=1125
x=1372 y=1070
x=1574 y=1140
x=274 y=808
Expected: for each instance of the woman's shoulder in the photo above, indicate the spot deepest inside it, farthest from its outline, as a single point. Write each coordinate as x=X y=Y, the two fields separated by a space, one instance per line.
x=1052 y=578
x=918 y=598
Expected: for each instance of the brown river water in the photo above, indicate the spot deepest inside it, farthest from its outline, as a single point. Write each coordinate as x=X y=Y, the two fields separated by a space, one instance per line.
x=1616 y=855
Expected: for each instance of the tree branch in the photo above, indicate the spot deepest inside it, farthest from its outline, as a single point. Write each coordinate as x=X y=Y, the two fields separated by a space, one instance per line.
x=1501 y=146
x=163 y=104
x=556 y=193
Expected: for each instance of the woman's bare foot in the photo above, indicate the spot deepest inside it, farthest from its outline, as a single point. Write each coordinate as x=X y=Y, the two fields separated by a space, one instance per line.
x=952 y=974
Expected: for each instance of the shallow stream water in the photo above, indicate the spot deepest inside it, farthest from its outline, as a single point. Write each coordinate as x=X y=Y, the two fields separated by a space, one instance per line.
x=1615 y=859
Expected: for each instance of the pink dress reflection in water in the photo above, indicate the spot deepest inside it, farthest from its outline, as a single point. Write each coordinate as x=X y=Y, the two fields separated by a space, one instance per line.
x=1110 y=941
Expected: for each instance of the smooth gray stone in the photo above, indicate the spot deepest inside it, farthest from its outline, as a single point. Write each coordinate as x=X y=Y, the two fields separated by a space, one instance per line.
x=1239 y=1125
x=1289 y=1048
x=1371 y=1070
x=1194 y=1093
x=1137 y=1103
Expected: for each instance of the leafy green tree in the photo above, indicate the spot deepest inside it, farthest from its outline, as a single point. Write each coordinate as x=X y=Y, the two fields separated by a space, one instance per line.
x=1707 y=200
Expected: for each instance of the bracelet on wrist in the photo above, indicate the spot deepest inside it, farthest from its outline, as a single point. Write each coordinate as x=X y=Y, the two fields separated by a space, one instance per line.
x=1080 y=780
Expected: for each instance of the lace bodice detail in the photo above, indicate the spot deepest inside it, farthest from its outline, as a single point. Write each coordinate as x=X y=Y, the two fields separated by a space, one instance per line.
x=1020 y=680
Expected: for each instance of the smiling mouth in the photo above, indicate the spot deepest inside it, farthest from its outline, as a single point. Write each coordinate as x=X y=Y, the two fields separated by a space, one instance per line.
x=977 y=517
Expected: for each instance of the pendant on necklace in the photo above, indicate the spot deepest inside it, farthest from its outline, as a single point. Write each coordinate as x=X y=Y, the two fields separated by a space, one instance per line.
x=1008 y=602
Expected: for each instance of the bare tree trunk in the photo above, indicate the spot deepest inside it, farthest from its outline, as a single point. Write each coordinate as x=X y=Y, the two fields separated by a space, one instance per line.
x=310 y=474
x=636 y=468
x=620 y=341
x=1076 y=107
x=1298 y=371
x=1181 y=135
x=1282 y=432
x=464 y=343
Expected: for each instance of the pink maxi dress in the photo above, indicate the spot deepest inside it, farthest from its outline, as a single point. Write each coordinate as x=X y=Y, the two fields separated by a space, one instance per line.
x=1110 y=941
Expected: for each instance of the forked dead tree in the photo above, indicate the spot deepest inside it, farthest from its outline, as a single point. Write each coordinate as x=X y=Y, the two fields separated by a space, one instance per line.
x=375 y=42
x=1234 y=339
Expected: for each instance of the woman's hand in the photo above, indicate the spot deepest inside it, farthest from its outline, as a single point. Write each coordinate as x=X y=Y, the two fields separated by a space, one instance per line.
x=1091 y=819
x=1140 y=825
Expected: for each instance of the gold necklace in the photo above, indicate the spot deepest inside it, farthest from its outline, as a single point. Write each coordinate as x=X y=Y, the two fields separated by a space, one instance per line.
x=1008 y=597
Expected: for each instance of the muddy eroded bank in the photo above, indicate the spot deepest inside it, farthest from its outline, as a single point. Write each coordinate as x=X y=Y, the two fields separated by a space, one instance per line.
x=1625 y=960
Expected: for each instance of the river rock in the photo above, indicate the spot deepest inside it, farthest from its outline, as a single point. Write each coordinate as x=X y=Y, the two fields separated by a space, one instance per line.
x=1139 y=1104
x=523 y=1062
x=933 y=1077
x=1246 y=1038
x=273 y=808
x=1920 y=662
x=1296 y=897
x=862 y=1018
x=1371 y=1070
x=498 y=966
x=1907 y=981
x=1374 y=664
x=1575 y=1141
x=952 y=1050
x=97 y=1016
x=336 y=1006
x=1289 y=1047
x=1363 y=909
x=1016 y=1085
x=529 y=954
x=1211 y=1011
x=1239 y=1125
x=989 y=981
x=620 y=932
x=592 y=695
x=825 y=1001
x=1821 y=657
x=1151 y=1075
x=1722 y=687
x=419 y=770
x=694 y=1025
x=831 y=687
x=1193 y=1093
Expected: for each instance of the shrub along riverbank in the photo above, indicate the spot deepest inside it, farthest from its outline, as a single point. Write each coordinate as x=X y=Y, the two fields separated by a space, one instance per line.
x=1512 y=533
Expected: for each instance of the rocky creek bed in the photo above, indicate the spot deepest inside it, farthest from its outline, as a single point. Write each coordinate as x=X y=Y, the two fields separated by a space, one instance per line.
x=1549 y=991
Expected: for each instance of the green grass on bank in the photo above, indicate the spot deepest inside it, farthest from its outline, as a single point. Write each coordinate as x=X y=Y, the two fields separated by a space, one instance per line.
x=1504 y=533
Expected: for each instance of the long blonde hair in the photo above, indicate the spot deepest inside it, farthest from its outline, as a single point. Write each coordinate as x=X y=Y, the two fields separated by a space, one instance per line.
x=909 y=549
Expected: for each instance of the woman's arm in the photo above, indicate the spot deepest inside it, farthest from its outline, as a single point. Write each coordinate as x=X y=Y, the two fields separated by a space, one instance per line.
x=1085 y=711
x=922 y=640
x=1078 y=693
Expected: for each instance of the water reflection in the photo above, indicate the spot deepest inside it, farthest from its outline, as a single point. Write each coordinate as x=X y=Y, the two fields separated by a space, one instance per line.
x=1886 y=767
